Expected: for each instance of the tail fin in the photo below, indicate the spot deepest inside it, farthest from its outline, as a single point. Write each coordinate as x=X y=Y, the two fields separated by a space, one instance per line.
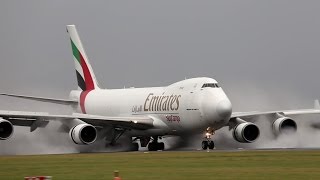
x=85 y=76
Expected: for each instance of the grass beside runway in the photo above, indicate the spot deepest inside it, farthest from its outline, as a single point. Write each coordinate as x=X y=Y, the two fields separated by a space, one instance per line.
x=167 y=165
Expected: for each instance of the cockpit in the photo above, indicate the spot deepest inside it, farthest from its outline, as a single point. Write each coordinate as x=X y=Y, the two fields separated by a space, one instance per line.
x=212 y=85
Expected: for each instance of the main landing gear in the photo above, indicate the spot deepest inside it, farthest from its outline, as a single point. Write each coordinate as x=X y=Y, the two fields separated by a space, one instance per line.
x=207 y=142
x=150 y=142
x=154 y=145
x=115 y=135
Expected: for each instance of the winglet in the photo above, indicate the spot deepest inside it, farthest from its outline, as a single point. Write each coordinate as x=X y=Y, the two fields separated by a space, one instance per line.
x=316 y=104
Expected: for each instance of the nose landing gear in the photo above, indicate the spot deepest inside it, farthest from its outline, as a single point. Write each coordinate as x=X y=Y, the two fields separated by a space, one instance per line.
x=207 y=141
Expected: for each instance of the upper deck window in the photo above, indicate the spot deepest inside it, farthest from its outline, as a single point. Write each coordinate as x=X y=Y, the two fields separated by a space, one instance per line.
x=213 y=85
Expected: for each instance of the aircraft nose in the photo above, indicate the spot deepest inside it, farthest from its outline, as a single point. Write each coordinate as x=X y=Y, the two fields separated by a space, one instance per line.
x=224 y=109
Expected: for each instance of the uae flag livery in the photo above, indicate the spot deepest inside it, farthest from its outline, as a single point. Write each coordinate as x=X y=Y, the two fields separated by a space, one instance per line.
x=85 y=81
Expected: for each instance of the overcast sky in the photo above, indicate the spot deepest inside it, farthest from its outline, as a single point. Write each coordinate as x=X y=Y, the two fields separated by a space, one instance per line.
x=265 y=54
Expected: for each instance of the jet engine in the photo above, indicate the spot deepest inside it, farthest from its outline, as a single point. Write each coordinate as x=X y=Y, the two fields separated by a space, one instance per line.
x=6 y=129
x=246 y=132
x=283 y=123
x=83 y=134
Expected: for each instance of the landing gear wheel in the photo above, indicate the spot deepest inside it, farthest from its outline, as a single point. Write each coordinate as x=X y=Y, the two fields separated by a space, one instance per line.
x=205 y=145
x=155 y=146
x=160 y=146
x=211 y=145
x=152 y=146
x=134 y=147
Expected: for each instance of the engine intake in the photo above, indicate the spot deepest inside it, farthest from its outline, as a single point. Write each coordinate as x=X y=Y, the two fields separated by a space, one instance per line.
x=83 y=134
x=6 y=129
x=282 y=124
x=246 y=132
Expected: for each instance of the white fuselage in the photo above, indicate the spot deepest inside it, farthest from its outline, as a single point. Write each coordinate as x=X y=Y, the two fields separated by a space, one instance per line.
x=180 y=108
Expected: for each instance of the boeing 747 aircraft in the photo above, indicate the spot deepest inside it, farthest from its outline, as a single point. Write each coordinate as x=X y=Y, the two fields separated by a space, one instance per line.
x=191 y=106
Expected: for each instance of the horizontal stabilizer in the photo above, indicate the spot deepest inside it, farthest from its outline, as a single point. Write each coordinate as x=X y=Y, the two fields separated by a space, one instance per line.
x=43 y=99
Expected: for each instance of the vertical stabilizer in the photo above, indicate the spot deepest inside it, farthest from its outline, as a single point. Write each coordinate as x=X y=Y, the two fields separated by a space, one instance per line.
x=85 y=76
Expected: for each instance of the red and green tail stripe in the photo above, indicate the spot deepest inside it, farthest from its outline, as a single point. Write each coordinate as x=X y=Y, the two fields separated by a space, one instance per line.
x=85 y=83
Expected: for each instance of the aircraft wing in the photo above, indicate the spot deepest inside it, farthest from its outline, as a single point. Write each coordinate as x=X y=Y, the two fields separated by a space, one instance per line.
x=255 y=114
x=43 y=99
x=271 y=115
x=245 y=129
x=41 y=119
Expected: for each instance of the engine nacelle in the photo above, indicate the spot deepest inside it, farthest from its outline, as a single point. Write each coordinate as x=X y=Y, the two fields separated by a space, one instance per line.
x=83 y=134
x=283 y=123
x=6 y=129
x=246 y=132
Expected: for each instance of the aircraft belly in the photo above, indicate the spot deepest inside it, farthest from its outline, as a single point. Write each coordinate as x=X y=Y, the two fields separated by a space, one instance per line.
x=149 y=132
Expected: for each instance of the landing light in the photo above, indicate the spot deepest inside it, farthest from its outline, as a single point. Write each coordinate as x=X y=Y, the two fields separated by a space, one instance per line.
x=208 y=135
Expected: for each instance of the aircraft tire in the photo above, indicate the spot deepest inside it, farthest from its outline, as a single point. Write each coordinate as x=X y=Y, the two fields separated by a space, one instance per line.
x=204 y=145
x=152 y=147
x=160 y=146
x=211 y=145
x=155 y=146
x=134 y=147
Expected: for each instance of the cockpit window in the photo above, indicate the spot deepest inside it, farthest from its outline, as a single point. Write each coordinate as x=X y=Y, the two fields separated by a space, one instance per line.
x=213 y=85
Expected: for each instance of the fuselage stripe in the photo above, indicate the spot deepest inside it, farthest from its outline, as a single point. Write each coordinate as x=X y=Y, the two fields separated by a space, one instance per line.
x=83 y=96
